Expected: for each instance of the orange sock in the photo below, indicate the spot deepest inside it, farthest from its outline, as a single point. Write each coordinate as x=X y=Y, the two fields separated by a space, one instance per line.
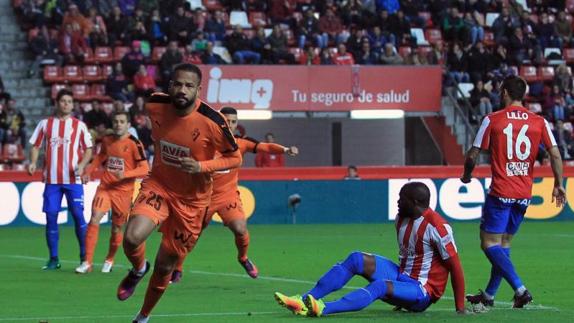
x=91 y=241
x=242 y=244
x=179 y=265
x=115 y=242
x=155 y=289
x=136 y=255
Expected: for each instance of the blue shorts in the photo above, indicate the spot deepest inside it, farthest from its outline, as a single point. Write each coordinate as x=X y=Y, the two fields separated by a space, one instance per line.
x=502 y=215
x=53 y=194
x=408 y=293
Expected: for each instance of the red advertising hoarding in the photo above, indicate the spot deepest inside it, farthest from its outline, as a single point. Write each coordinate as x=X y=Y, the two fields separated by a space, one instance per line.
x=322 y=88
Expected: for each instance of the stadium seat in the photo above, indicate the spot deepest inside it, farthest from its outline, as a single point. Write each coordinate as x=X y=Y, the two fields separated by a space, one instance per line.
x=212 y=5
x=120 y=52
x=490 y=18
x=546 y=73
x=72 y=73
x=465 y=88
x=196 y=4
x=433 y=35
x=529 y=73
x=569 y=55
x=89 y=56
x=86 y=106
x=550 y=50
x=107 y=70
x=297 y=52
x=535 y=107
x=56 y=88
x=419 y=35
x=405 y=51
x=239 y=18
x=81 y=92
x=52 y=74
x=103 y=55
x=257 y=18
x=98 y=92
x=156 y=53
x=92 y=73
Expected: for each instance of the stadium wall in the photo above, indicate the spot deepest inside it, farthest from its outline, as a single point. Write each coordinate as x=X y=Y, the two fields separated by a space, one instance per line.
x=325 y=197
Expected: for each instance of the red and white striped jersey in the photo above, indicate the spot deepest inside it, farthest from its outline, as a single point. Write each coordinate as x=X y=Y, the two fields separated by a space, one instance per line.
x=425 y=244
x=66 y=141
x=513 y=135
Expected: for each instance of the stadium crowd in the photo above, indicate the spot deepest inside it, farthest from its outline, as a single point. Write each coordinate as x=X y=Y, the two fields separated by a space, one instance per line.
x=115 y=53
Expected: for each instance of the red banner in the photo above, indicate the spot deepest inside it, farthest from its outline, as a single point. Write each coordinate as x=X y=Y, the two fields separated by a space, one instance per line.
x=322 y=88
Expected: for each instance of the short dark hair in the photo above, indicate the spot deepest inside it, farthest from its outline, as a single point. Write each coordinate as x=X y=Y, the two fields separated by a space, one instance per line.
x=120 y=113
x=515 y=87
x=352 y=167
x=228 y=110
x=419 y=192
x=63 y=92
x=188 y=68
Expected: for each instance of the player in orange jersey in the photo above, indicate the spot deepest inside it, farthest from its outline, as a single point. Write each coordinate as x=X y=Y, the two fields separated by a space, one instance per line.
x=125 y=160
x=191 y=141
x=226 y=200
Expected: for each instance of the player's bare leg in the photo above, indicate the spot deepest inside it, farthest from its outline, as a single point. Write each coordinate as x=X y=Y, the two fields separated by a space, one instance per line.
x=91 y=242
x=239 y=229
x=138 y=229
x=115 y=242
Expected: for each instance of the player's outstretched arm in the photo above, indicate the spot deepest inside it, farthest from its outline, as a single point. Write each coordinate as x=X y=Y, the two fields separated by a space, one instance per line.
x=469 y=164
x=457 y=281
x=141 y=170
x=558 y=192
x=277 y=149
x=228 y=160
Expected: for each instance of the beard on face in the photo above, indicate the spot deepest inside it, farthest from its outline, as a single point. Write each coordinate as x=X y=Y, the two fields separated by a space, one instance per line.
x=182 y=104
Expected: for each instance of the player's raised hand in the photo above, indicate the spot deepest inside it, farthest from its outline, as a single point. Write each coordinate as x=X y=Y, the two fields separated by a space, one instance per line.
x=31 y=168
x=190 y=165
x=559 y=195
x=292 y=151
x=85 y=178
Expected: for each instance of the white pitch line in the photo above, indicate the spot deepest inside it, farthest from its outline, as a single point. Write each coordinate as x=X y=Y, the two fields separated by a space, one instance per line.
x=280 y=279
x=91 y=317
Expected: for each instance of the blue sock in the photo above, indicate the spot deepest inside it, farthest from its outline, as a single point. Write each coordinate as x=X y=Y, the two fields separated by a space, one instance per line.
x=338 y=276
x=52 y=235
x=81 y=228
x=495 y=277
x=502 y=263
x=357 y=299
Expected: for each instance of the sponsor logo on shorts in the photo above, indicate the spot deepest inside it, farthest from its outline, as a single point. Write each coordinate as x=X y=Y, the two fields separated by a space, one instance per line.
x=170 y=153
x=517 y=168
x=115 y=164
x=514 y=201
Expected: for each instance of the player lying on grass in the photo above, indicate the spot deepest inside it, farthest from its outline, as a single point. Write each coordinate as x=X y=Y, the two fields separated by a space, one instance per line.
x=427 y=254
x=225 y=199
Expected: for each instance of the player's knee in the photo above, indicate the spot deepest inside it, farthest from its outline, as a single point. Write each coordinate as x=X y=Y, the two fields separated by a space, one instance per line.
x=354 y=262
x=132 y=239
x=378 y=288
x=238 y=227
x=96 y=218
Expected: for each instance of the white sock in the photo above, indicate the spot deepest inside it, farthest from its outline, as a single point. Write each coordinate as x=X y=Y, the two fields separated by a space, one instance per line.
x=520 y=290
x=141 y=271
x=487 y=296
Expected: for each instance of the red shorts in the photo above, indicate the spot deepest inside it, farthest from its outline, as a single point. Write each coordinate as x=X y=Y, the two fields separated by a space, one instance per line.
x=181 y=221
x=229 y=208
x=118 y=200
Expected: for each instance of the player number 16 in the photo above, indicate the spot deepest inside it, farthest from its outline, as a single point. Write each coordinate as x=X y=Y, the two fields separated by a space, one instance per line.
x=520 y=140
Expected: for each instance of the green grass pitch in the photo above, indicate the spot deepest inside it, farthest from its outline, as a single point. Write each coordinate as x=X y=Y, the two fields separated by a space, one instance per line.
x=290 y=258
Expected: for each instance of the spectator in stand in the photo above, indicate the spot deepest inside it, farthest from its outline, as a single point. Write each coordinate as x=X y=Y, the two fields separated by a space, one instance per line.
x=527 y=24
x=342 y=57
x=547 y=33
x=14 y=123
x=241 y=5
x=191 y=56
x=564 y=29
x=260 y=44
x=98 y=37
x=199 y=18
x=438 y=10
x=215 y=27
x=378 y=39
x=480 y=99
x=417 y=58
x=325 y=57
x=352 y=14
x=385 y=23
x=453 y=27
x=180 y=26
x=437 y=55
x=4 y=96
x=390 y=56
x=279 y=50
x=199 y=43
x=263 y=159
x=117 y=84
x=480 y=61
x=141 y=123
x=155 y=27
x=309 y=57
x=46 y=52
x=355 y=42
x=457 y=65
x=97 y=120
x=563 y=78
x=73 y=17
x=515 y=8
x=401 y=28
x=367 y=56
x=503 y=26
x=352 y=173
x=72 y=44
x=137 y=26
x=127 y=6
x=147 y=6
x=281 y=11
x=475 y=29
x=144 y=84
x=563 y=139
x=96 y=20
x=412 y=8
x=308 y=27
x=104 y=7
x=391 y=6
x=331 y=25
x=117 y=26
x=555 y=104
x=519 y=47
x=169 y=59
x=209 y=57
x=132 y=60
x=3 y=124
x=239 y=47
x=35 y=13
x=500 y=56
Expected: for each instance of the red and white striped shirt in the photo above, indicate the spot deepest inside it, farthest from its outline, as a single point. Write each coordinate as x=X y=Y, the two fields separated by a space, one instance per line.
x=66 y=141
x=425 y=244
